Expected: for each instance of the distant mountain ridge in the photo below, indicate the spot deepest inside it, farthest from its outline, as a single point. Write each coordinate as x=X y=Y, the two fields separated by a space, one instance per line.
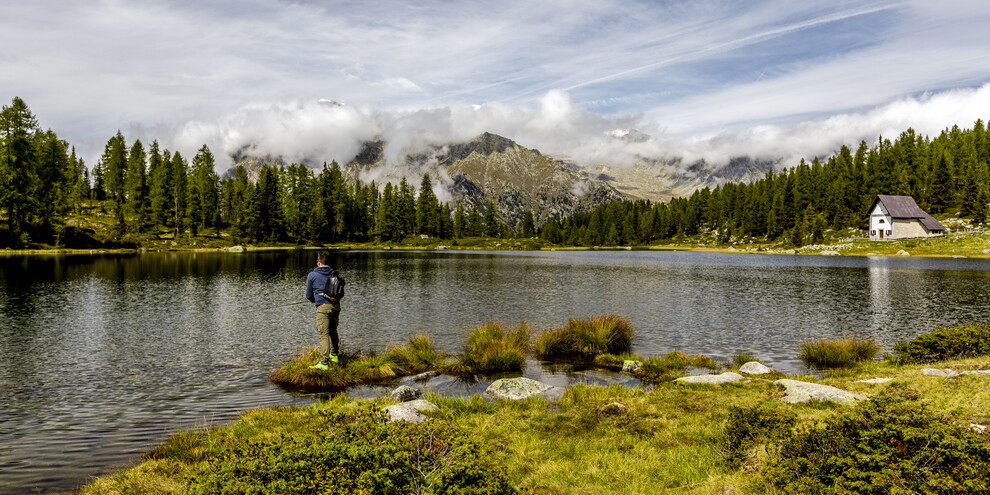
x=516 y=179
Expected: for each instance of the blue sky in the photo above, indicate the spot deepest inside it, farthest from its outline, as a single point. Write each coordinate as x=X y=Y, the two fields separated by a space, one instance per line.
x=704 y=79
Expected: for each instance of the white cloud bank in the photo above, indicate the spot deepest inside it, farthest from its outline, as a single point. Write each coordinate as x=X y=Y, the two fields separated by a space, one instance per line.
x=313 y=132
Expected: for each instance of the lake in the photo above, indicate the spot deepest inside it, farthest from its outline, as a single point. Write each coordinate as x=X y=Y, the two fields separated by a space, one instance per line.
x=103 y=356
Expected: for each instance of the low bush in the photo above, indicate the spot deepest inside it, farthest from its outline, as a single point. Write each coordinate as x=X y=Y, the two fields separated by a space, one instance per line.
x=587 y=337
x=885 y=445
x=492 y=348
x=750 y=426
x=946 y=343
x=674 y=364
x=838 y=353
x=366 y=456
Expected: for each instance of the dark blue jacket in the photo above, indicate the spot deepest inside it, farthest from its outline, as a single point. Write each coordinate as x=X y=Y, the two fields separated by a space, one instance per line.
x=315 y=283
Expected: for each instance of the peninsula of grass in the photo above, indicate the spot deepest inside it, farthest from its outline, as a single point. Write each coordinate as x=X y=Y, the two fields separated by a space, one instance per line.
x=837 y=353
x=912 y=436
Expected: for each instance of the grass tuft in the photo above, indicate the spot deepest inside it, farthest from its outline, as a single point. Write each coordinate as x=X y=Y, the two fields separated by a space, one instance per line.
x=588 y=337
x=743 y=358
x=672 y=365
x=492 y=348
x=838 y=353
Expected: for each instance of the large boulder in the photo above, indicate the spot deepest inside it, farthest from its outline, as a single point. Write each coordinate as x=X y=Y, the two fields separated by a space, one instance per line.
x=727 y=377
x=755 y=368
x=516 y=388
x=405 y=393
x=630 y=366
x=798 y=391
x=944 y=373
x=412 y=411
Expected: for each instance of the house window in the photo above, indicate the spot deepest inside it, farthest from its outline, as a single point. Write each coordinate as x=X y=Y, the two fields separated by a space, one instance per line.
x=873 y=233
x=888 y=233
x=881 y=220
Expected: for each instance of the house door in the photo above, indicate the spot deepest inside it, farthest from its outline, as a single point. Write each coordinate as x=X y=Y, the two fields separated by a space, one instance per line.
x=881 y=234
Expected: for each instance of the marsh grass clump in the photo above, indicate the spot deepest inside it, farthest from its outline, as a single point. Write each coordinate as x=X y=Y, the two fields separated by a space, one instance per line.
x=614 y=362
x=946 y=343
x=743 y=358
x=493 y=348
x=586 y=337
x=672 y=365
x=838 y=353
x=419 y=355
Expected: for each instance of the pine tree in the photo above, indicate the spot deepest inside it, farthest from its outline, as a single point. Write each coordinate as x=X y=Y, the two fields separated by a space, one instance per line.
x=136 y=182
x=17 y=162
x=460 y=224
x=528 y=227
x=491 y=224
x=475 y=226
x=427 y=209
x=114 y=161
x=178 y=176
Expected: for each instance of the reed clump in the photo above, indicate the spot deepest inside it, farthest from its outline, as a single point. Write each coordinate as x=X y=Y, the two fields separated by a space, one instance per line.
x=586 y=338
x=845 y=352
x=492 y=348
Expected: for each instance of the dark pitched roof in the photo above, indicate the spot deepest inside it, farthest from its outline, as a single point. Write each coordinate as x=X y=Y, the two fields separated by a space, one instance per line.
x=905 y=207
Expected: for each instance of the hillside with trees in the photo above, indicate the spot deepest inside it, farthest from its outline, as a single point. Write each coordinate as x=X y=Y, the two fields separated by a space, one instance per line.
x=947 y=175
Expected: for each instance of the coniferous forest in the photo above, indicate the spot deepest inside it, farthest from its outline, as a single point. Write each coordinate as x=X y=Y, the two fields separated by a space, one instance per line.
x=150 y=190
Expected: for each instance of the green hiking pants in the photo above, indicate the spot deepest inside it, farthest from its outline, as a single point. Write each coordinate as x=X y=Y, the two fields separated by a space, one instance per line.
x=326 y=326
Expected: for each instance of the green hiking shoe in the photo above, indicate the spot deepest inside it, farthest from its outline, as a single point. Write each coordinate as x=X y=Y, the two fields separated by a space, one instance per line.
x=333 y=358
x=319 y=366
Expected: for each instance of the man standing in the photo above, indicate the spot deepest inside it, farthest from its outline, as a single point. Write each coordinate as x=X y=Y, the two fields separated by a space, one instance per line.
x=327 y=310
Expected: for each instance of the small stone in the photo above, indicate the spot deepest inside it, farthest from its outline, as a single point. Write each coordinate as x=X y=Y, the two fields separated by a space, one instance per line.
x=903 y=253
x=829 y=253
x=875 y=381
x=957 y=256
x=978 y=428
x=410 y=411
x=755 y=368
x=798 y=391
x=235 y=249
x=405 y=393
x=944 y=373
x=727 y=377
x=986 y=251
x=426 y=375
x=613 y=409
x=629 y=366
x=516 y=388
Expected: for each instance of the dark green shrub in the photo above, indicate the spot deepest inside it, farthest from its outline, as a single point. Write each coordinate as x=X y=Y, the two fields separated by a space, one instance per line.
x=885 y=445
x=946 y=343
x=751 y=426
x=838 y=353
x=368 y=457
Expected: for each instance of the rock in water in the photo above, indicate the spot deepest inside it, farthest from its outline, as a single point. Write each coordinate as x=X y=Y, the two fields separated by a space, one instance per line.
x=411 y=411
x=405 y=393
x=630 y=366
x=903 y=253
x=798 y=391
x=516 y=388
x=727 y=377
x=755 y=368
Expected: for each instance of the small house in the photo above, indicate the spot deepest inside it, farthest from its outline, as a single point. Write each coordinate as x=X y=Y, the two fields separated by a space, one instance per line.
x=899 y=217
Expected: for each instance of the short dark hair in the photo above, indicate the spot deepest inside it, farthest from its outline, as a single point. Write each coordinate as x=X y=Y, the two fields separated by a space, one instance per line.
x=323 y=258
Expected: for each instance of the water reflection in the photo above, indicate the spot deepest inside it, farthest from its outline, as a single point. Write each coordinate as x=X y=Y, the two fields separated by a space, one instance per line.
x=101 y=356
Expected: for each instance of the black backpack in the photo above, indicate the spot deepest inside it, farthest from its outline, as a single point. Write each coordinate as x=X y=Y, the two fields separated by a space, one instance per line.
x=333 y=291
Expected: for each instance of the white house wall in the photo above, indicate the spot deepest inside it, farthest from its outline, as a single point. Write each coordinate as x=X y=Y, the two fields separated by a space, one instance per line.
x=879 y=219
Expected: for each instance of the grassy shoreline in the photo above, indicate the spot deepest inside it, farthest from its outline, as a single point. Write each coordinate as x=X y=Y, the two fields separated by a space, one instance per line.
x=671 y=439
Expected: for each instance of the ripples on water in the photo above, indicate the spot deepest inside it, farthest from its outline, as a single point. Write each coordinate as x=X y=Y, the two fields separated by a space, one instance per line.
x=104 y=356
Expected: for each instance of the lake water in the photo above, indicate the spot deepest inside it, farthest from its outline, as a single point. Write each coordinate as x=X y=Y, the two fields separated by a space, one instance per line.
x=101 y=357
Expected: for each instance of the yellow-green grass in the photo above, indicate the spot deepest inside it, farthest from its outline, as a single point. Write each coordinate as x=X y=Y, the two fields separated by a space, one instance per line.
x=660 y=369
x=837 y=353
x=415 y=357
x=492 y=347
x=586 y=337
x=670 y=440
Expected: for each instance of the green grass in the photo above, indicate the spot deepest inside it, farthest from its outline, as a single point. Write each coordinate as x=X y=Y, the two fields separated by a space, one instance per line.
x=659 y=369
x=417 y=356
x=492 y=348
x=837 y=353
x=743 y=358
x=586 y=337
x=670 y=440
